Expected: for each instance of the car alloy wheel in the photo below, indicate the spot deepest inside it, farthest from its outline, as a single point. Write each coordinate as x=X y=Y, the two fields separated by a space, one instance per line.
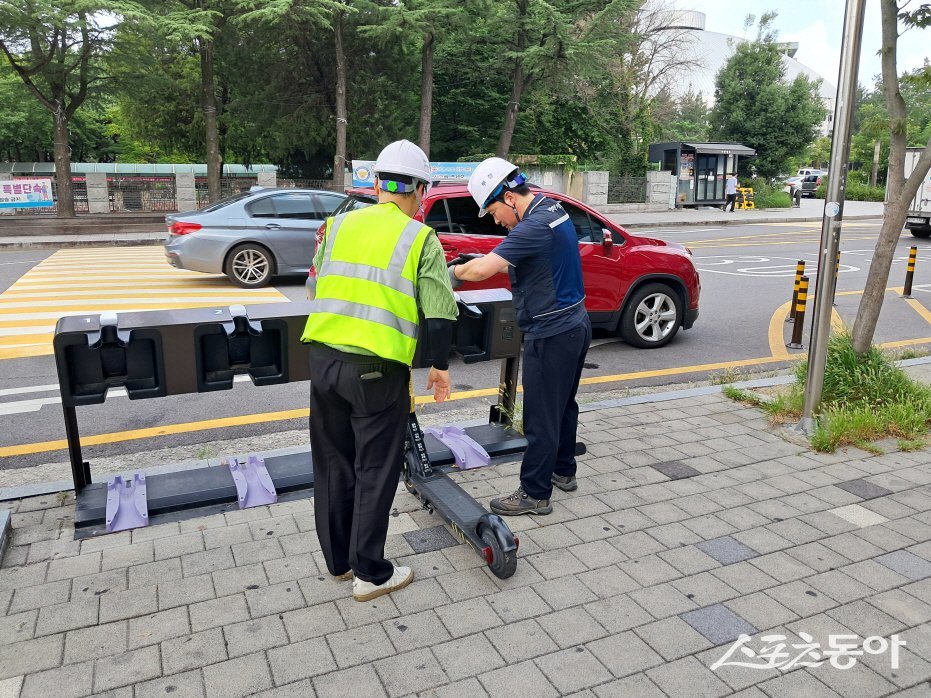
x=652 y=317
x=249 y=266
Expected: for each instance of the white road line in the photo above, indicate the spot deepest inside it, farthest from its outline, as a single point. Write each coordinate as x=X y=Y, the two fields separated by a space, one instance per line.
x=29 y=389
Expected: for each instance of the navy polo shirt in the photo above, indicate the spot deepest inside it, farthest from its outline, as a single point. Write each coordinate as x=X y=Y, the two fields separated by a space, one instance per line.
x=542 y=252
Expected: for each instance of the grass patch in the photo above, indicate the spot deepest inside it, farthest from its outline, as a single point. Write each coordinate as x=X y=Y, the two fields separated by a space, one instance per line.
x=911 y=444
x=865 y=398
x=744 y=396
x=765 y=195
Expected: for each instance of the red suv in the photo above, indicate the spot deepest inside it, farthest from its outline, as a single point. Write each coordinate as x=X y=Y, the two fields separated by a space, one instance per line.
x=641 y=288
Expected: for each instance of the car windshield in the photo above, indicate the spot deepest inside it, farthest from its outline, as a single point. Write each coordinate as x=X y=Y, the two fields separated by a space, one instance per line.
x=226 y=202
x=353 y=202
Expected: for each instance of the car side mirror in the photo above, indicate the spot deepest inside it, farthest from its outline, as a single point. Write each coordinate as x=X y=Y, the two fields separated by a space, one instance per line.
x=607 y=240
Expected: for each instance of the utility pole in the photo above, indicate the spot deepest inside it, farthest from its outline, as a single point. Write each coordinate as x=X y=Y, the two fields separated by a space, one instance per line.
x=833 y=211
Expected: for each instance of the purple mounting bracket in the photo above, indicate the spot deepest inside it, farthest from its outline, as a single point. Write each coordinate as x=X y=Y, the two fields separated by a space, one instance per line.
x=467 y=451
x=126 y=503
x=254 y=486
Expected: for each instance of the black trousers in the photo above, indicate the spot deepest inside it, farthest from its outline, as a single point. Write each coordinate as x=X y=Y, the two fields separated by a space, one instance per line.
x=552 y=369
x=357 y=430
x=730 y=200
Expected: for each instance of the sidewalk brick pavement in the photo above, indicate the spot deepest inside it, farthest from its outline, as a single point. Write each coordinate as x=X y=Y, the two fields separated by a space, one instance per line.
x=693 y=523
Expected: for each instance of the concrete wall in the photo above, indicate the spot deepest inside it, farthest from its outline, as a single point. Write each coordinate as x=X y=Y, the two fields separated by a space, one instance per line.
x=266 y=179
x=185 y=195
x=661 y=189
x=98 y=196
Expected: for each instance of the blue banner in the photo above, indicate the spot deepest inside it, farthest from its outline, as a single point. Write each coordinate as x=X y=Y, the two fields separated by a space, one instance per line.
x=362 y=175
x=26 y=193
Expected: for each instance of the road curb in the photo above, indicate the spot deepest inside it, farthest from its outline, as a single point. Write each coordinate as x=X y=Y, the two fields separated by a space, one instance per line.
x=46 y=244
x=5 y=531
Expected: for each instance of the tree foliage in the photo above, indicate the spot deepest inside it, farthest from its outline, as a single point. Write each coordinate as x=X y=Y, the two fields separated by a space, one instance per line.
x=756 y=106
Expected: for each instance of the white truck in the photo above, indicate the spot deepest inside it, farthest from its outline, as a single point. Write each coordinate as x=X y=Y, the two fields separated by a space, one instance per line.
x=919 y=211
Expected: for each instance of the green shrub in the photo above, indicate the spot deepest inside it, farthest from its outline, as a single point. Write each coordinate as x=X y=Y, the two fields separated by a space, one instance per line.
x=766 y=195
x=855 y=191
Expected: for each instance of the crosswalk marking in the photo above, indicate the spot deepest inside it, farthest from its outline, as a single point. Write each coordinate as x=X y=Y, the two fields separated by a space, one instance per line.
x=93 y=281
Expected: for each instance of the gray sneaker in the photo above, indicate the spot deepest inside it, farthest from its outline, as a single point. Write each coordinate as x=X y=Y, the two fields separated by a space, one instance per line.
x=567 y=483
x=520 y=503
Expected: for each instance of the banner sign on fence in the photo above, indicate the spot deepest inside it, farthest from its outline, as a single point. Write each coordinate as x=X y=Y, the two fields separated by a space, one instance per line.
x=362 y=175
x=26 y=193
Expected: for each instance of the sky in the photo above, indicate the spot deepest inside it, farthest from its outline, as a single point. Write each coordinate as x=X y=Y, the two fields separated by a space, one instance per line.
x=817 y=26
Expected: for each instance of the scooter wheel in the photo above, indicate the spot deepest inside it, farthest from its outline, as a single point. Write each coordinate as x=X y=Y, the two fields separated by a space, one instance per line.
x=502 y=564
x=409 y=487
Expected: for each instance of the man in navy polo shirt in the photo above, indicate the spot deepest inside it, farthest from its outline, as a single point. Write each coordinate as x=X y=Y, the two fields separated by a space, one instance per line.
x=541 y=256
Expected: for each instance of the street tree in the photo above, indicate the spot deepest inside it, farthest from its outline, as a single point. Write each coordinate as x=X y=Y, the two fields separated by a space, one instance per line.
x=900 y=190
x=756 y=106
x=55 y=49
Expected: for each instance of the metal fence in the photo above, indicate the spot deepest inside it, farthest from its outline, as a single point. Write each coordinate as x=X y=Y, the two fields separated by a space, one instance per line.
x=228 y=187
x=132 y=195
x=78 y=194
x=627 y=190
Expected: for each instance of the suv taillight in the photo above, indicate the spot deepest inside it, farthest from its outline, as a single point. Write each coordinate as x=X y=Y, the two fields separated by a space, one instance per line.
x=183 y=228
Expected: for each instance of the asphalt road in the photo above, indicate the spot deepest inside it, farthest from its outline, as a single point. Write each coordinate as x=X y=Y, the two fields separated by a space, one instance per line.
x=747 y=274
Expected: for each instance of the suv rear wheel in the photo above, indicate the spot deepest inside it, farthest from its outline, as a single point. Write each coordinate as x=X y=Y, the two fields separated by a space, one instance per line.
x=652 y=317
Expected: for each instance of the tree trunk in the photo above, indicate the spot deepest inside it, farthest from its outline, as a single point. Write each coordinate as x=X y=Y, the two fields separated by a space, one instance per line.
x=426 y=92
x=63 y=163
x=518 y=84
x=209 y=104
x=900 y=191
x=339 y=159
x=875 y=172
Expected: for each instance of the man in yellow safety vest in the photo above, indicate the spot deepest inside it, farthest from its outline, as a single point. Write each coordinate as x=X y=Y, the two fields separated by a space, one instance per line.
x=375 y=266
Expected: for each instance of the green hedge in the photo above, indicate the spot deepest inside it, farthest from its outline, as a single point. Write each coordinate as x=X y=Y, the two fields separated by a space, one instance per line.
x=767 y=196
x=855 y=192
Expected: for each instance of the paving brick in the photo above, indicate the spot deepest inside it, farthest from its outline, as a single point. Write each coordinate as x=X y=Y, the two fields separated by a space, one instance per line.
x=553 y=537
x=468 y=617
x=818 y=557
x=672 y=638
x=858 y=515
x=410 y=672
x=127 y=556
x=572 y=626
x=153 y=629
x=636 y=544
x=673 y=535
x=239 y=579
x=127 y=669
x=224 y=536
x=180 y=592
x=415 y=631
x=618 y=613
x=212 y=560
x=802 y=598
x=254 y=551
x=902 y=606
x=526 y=675
x=704 y=589
x=866 y=620
x=727 y=550
x=797 y=683
x=796 y=531
x=467 y=656
x=564 y=592
x=276 y=598
x=858 y=680
x=363 y=679
x=638 y=685
x=312 y=621
x=839 y=586
x=650 y=570
x=608 y=581
x=218 y=612
x=467 y=583
x=154 y=572
x=360 y=645
x=18 y=627
x=572 y=670
x=28 y=598
x=521 y=640
x=176 y=546
x=96 y=642
x=598 y=554
x=663 y=512
x=254 y=636
x=430 y=539
x=591 y=528
x=322 y=588
x=718 y=624
x=624 y=654
x=874 y=575
x=290 y=568
x=67 y=616
x=885 y=538
x=30 y=656
x=71 y=680
x=193 y=651
x=688 y=676
x=242 y=676
x=187 y=685
x=164 y=530
x=662 y=600
x=907 y=564
x=555 y=563
x=676 y=470
x=517 y=604
x=300 y=660
x=782 y=567
x=863 y=488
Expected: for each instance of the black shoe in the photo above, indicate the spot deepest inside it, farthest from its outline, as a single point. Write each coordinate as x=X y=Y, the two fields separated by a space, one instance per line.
x=520 y=503
x=567 y=483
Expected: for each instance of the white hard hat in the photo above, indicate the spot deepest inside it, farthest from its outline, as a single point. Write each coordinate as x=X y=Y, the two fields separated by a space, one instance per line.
x=402 y=158
x=490 y=178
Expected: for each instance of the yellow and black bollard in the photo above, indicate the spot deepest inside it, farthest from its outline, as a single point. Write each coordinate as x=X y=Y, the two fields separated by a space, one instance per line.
x=910 y=273
x=799 y=326
x=799 y=273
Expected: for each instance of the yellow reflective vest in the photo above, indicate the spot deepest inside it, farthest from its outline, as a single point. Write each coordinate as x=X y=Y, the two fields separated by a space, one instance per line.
x=366 y=294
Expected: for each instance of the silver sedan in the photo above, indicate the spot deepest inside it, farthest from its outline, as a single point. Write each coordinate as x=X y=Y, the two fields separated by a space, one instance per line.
x=251 y=236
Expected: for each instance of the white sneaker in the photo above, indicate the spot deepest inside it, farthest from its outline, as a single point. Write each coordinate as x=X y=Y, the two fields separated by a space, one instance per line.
x=366 y=591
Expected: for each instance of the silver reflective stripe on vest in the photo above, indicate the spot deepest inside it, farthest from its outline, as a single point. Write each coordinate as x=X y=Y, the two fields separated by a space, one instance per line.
x=390 y=277
x=365 y=312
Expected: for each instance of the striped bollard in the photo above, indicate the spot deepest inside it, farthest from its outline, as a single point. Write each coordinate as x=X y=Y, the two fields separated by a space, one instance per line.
x=799 y=273
x=799 y=326
x=910 y=272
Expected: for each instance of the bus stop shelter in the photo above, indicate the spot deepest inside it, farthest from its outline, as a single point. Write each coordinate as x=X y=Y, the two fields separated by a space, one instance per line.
x=700 y=168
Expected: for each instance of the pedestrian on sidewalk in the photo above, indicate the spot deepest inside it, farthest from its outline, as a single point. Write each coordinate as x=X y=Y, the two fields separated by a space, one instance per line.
x=541 y=256
x=375 y=267
x=730 y=191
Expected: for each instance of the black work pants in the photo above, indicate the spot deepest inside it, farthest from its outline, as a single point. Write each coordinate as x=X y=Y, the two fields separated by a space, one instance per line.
x=731 y=201
x=357 y=430
x=552 y=369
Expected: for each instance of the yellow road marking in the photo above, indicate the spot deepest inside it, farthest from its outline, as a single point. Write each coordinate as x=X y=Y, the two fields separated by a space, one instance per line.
x=920 y=309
